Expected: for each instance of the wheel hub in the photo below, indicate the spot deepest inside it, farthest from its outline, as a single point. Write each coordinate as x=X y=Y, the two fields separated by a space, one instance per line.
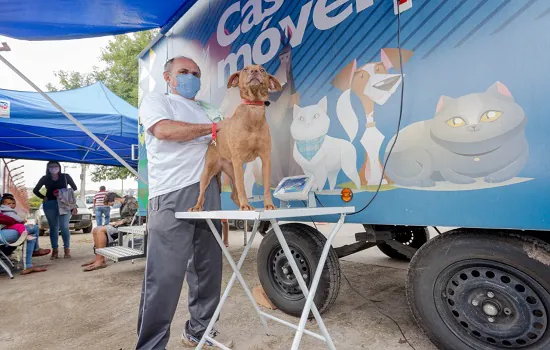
x=491 y=309
x=495 y=305
x=285 y=277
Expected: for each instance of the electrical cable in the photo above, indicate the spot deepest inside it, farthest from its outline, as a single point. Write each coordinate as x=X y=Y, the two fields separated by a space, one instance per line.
x=313 y=222
x=400 y=114
x=382 y=179
x=379 y=310
x=398 y=122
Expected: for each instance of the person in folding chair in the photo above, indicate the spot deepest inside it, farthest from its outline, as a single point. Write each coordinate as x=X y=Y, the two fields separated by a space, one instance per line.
x=10 y=237
x=178 y=133
x=104 y=235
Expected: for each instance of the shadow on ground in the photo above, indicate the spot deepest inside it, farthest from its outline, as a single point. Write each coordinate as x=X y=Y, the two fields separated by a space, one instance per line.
x=65 y=308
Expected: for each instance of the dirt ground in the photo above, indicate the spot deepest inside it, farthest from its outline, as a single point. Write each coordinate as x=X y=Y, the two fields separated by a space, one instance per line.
x=65 y=308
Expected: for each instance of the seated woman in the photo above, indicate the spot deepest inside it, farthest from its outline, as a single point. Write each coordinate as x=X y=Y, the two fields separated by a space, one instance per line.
x=104 y=235
x=9 y=236
x=7 y=207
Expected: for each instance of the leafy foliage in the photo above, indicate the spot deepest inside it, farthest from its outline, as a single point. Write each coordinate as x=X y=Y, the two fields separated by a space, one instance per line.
x=73 y=80
x=105 y=173
x=121 y=76
x=35 y=202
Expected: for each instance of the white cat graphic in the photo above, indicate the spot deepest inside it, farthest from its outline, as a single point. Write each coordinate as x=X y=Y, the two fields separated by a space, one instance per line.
x=317 y=153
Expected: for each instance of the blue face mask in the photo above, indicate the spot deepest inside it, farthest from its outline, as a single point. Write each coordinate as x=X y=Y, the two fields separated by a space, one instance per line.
x=188 y=85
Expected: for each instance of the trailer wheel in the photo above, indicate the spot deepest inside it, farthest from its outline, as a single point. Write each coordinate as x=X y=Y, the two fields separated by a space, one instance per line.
x=413 y=237
x=41 y=232
x=239 y=224
x=277 y=278
x=479 y=290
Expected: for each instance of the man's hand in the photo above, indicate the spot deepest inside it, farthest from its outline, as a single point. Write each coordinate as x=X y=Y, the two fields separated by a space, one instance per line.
x=74 y=211
x=118 y=223
x=171 y=130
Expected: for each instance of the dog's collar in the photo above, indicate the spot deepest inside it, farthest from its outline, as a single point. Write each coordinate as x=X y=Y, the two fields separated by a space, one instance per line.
x=255 y=103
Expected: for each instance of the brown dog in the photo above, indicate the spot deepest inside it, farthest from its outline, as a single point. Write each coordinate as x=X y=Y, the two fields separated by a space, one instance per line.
x=244 y=138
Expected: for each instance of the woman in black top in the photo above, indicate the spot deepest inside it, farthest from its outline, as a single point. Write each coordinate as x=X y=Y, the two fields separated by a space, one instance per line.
x=54 y=180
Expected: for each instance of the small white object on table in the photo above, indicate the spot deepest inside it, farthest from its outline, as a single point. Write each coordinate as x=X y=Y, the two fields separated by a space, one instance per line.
x=272 y=216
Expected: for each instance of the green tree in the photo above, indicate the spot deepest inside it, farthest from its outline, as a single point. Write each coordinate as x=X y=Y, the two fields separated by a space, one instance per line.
x=104 y=173
x=35 y=202
x=121 y=76
x=69 y=80
x=120 y=55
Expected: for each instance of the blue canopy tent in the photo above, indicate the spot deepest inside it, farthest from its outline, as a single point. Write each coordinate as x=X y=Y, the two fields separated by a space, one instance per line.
x=35 y=129
x=70 y=19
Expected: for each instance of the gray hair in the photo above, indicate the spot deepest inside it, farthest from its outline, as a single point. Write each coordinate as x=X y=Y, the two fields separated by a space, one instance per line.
x=168 y=64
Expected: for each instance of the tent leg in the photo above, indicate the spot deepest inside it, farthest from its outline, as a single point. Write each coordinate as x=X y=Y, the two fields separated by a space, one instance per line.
x=5 y=47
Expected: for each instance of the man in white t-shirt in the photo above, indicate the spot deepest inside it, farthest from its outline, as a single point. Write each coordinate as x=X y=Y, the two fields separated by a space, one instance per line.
x=179 y=130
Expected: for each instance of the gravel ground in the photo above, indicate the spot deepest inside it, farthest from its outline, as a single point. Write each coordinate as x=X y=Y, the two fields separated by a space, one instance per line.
x=65 y=308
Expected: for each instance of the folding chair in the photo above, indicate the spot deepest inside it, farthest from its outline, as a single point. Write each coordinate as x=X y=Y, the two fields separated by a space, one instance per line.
x=21 y=241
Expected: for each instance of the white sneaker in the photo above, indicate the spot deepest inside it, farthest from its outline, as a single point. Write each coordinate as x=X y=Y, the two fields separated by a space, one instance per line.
x=190 y=341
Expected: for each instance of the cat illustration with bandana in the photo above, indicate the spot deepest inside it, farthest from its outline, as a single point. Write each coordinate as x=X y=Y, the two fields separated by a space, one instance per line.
x=480 y=135
x=317 y=153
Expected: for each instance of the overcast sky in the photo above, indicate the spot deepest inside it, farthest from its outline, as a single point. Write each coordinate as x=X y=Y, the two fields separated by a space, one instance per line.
x=38 y=60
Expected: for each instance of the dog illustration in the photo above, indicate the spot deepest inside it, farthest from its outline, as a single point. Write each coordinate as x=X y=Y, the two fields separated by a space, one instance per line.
x=244 y=138
x=373 y=85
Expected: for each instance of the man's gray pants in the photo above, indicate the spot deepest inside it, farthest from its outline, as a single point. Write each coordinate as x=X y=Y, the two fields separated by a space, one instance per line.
x=174 y=248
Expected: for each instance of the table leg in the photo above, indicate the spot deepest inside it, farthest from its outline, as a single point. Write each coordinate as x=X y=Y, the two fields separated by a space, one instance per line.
x=236 y=275
x=309 y=305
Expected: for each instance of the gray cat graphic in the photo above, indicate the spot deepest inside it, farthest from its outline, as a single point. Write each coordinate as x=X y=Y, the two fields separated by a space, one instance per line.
x=480 y=135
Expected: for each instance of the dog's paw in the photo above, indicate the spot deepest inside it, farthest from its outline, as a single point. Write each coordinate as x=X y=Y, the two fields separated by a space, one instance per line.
x=269 y=206
x=247 y=207
x=196 y=208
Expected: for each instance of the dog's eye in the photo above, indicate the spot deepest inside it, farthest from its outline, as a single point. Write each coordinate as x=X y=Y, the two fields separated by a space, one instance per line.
x=262 y=70
x=245 y=70
x=316 y=115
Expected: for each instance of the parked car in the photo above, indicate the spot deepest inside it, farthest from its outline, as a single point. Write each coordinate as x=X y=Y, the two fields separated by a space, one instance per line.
x=115 y=213
x=90 y=203
x=239 y=224
x=81 y=221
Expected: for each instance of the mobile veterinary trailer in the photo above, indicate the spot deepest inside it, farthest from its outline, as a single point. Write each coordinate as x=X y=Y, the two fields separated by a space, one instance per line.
x=461 y=83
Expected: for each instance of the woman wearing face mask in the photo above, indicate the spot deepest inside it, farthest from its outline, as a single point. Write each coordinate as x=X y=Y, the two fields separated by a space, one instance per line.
x=54 y=180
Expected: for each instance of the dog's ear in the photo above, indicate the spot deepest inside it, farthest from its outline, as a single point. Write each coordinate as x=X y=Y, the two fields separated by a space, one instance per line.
x=233 y=80
x=390 y=58
x=274 y=84
x=343 y=80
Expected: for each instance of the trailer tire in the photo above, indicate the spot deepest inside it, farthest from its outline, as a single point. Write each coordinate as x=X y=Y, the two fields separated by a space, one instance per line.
x=283 y=290
x=41 y=232
x=239 y=224
x=480 y=290
x=413 y=237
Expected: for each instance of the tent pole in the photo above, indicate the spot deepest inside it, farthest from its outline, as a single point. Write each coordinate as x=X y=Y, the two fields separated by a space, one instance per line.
x=5 y=47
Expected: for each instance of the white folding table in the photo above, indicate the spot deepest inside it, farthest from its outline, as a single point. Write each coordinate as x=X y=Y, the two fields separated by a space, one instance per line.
x=272 y=216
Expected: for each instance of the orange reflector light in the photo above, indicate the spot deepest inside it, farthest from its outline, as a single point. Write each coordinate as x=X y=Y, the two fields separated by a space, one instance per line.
x=346 y=194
